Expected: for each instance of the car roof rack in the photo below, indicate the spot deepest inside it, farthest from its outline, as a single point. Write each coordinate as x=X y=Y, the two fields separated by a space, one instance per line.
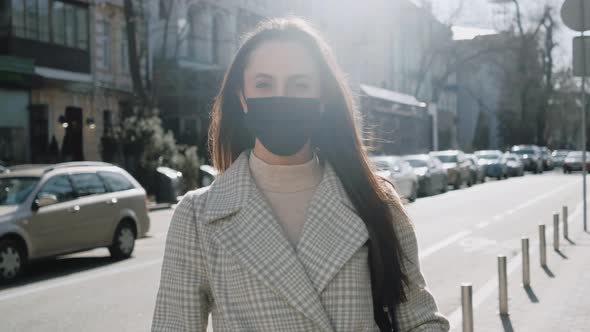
x=76 y=164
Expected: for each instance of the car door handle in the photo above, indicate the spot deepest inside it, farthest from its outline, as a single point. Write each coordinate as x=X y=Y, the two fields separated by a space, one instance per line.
x=112 y=201
x=74 y=209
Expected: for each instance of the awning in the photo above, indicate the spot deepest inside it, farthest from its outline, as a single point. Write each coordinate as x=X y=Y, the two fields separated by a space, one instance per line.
x=63 y=75
x=392 y=96
x=18 y=72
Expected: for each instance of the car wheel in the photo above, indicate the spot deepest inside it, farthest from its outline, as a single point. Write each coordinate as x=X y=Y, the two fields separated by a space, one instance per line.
x=123 y=241
x=445 y=187
x=12 y=261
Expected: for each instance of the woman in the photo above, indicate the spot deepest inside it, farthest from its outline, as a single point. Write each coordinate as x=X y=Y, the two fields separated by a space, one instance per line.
x=297 y=233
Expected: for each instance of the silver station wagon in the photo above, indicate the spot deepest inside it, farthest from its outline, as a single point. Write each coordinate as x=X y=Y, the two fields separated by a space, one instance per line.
x=50 y=210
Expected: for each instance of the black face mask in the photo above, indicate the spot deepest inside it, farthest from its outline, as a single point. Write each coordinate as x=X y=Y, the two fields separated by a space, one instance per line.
x=282 y=124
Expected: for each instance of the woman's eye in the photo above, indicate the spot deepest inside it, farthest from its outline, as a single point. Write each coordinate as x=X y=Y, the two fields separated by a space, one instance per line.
x=302 y=86
x=262 y=85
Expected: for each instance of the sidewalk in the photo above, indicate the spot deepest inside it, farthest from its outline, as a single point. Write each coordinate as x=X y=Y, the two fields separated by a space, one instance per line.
x=558 y=299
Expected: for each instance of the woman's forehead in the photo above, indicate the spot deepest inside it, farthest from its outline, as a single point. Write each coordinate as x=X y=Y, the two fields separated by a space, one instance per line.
x=281 y=58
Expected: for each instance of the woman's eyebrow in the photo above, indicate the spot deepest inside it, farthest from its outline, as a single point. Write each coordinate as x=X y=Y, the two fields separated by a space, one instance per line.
x=298 y=76
x=263 y=75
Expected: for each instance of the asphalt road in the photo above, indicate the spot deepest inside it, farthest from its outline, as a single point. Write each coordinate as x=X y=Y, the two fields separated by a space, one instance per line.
x=460 y=233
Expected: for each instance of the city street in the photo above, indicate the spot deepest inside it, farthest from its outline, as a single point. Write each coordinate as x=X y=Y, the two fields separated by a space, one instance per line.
x=460 y=234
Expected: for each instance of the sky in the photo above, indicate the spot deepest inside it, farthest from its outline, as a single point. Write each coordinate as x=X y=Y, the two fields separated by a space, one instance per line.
x=483 y=14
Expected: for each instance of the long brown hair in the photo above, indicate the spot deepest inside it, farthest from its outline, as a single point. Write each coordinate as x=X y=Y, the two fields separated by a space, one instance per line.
x=337 y=142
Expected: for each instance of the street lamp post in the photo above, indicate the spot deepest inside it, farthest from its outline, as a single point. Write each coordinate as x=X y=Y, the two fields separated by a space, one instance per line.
x=576 y=16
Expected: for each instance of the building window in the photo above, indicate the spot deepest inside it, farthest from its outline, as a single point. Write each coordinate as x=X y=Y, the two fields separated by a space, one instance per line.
x=31 y=23
x=18 y=18
x=107 y=122
x=4 y=17
x=82 y=28
x=70 y=17
x=50 y=21
x=163 y=9
x=58 y=22
x=215 y=38
x=105 y=61
x=43 y=12
x=124 y=51
x=70 y=13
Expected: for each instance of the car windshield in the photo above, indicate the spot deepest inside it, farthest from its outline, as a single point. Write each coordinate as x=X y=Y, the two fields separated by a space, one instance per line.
x=447 y=158
x=578 y=155
x=15 y=190
x=523 y=151
x=415 y=163
x=488 y=156
x=381 y=165
x=560 y=153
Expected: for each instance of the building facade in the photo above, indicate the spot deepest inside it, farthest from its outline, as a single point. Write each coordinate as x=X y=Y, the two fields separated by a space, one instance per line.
x=64 y=76
x=383 y=52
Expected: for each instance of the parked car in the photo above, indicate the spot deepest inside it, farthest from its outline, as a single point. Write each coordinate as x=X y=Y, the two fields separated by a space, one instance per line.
x=50 y=210
x=477 y=171
x=400 y=173
x=530 y=156
x=546 y=158
x=207 y=174
x=573 y=161
x=432 y=177
x=514 y=164
x=456 y=166
x=494 y=162
x=559 y=157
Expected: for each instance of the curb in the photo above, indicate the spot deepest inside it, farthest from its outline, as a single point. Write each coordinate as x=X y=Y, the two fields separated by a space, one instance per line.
x=152 y=206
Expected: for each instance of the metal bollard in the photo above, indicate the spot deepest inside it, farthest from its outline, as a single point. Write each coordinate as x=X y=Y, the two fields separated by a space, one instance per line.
x=543 y=245
x=556 y=232
x=467 y=305
x=565 y=226
x=503 y=283
x=526 y=263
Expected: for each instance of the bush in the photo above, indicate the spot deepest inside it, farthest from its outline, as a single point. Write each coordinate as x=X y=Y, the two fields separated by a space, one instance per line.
x=140 y=145
x=187 y=162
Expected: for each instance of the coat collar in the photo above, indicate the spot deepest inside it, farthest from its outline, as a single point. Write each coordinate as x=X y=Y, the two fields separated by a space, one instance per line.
x=232 y=189
x=248 y=229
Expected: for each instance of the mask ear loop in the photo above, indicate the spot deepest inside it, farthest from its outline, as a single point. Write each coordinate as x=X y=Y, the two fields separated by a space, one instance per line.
x=316 y=134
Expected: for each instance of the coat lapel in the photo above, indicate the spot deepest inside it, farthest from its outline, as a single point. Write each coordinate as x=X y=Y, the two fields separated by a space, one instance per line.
x=254 y=237
x=332 y=232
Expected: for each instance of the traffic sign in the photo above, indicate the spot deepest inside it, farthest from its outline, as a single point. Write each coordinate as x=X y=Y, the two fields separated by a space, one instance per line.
x=576 y=14
x=581 y=52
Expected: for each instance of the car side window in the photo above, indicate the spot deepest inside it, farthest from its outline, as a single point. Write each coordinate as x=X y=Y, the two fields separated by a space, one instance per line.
x=88 y=184
x=116 y=181
x=60 y=186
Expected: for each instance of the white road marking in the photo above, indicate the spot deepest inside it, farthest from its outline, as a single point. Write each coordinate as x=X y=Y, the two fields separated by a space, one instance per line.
x=450 y=240
x=491 y=286
x=526 y=204
x=482 y=224
x=545 y=195
x=432 y=249
x=88 y=275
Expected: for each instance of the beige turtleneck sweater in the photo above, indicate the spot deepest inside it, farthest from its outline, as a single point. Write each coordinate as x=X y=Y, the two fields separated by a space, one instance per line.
x=288 y=189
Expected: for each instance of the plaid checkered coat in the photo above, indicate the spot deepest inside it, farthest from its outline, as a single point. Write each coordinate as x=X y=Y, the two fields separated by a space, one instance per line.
x=227 y=255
